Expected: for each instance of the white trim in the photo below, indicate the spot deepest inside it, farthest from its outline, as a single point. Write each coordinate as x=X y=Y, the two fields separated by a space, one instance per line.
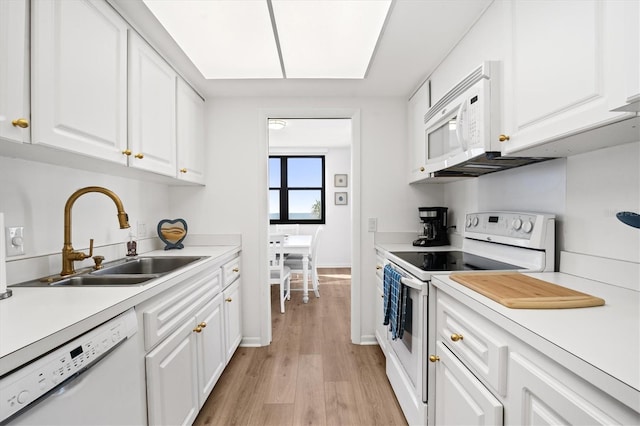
x=263 y=210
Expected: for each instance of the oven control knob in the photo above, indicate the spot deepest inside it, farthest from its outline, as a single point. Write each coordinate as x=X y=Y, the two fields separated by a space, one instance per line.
x=23 y=397
x=468 y=222
x=474 y=221
x=516 y=224
x=527 y=227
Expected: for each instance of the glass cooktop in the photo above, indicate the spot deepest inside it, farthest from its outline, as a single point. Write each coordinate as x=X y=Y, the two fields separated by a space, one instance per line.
x=451 y=261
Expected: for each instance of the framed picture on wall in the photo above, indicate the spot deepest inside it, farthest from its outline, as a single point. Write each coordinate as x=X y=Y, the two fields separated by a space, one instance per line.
x=341 y=198
x=340 y=180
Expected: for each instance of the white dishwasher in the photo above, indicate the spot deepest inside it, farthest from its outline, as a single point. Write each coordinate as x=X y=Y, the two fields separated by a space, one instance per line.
x=94 y=379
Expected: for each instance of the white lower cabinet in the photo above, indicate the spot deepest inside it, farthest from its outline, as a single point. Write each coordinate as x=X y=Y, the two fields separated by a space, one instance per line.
x=210 y=347
x=485 y=375
x=191 y=332
x=460 y=398
x=172 y=379
x=232 y=317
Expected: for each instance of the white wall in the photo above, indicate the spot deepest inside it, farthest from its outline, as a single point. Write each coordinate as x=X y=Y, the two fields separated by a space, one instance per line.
x=237 y=182
x=600 y=184
x=34 y=194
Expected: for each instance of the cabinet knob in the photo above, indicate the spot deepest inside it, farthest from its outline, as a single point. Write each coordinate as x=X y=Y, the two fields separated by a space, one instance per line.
x=202 y=324
x=183 y=170
x=378 y=267
x=228 y=299
x=455 y=337
x=236 y=270
x=503 y=138
x=139 y=155
x=23 y=123
x=127 y=152
x=422 y=169
x=198 y=329
x=434 y=358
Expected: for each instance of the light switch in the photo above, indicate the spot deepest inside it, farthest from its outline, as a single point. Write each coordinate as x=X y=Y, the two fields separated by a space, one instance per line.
x=372 y=224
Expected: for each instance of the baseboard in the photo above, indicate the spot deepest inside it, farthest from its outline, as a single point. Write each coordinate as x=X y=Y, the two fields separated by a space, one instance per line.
x=369 y=339
x=250 y=342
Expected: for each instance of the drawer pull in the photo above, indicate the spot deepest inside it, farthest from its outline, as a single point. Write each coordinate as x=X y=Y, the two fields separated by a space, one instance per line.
x=198 y=329
x=236 y=269
x=202 y=324
x=228 y=299
x=434 y=358
x=455 y=337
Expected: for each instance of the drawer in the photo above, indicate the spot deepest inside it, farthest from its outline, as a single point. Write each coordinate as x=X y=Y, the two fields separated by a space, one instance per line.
x=477 y=342
x=230 y=272
x=163 y=317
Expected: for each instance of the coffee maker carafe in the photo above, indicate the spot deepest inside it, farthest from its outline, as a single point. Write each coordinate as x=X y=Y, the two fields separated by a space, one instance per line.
x=434 y=227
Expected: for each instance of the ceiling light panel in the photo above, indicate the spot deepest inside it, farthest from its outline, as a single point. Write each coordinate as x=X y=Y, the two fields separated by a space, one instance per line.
x=225 y=39
x=328 y=39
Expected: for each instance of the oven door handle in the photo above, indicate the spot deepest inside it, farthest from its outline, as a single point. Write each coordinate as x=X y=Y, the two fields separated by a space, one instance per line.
x=413 y=283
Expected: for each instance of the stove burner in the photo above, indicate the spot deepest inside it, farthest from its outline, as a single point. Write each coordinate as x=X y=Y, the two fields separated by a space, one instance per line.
x=452 y=261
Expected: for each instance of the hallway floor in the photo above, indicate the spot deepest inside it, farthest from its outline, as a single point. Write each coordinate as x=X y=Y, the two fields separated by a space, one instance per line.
x=311 y=373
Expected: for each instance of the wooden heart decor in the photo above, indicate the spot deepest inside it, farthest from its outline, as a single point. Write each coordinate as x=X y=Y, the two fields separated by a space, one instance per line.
x=172 y=233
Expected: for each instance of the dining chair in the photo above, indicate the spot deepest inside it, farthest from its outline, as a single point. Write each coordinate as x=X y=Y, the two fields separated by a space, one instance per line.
x=278 y=272
x=296 y=265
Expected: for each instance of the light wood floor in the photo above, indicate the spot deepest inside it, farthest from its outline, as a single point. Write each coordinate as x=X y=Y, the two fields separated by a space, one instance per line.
x=311 y=374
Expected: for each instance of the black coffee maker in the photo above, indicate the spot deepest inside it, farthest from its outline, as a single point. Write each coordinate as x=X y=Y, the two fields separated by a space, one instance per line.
x=434 y=227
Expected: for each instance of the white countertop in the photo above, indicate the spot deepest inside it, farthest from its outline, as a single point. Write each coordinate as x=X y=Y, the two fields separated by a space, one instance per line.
x=37 y=319
x=605 y=337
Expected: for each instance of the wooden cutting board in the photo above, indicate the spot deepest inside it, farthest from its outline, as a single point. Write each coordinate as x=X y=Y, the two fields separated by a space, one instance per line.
x=518 y=291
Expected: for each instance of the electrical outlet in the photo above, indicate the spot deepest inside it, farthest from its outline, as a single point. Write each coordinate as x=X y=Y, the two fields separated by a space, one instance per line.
x=372 y=224
x=14 y=236
x=142 y=229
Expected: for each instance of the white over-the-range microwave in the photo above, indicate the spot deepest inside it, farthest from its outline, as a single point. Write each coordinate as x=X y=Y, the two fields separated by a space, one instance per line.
x=463 y=129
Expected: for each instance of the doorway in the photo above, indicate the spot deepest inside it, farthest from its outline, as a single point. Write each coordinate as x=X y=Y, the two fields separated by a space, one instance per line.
x=340 y=242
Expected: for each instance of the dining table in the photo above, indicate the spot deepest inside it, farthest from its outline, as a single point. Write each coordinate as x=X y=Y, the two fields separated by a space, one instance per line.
x=300 y=244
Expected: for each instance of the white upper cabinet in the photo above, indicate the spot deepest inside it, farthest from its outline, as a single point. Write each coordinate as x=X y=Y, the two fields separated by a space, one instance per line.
x=14 y=71
x=418 y=106
x=152 y=109
x=564 y=71
x=190 y=130
x=79 y=78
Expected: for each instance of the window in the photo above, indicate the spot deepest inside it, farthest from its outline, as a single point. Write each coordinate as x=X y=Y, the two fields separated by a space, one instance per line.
x=296 y=189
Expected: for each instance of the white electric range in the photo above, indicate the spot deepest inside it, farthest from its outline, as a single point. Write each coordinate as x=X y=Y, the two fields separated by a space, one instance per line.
x=493 y=241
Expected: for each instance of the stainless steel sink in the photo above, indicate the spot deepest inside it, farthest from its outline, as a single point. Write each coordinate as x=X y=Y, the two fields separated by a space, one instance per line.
x=104 y=280
x=146 y=265
x=123 y=272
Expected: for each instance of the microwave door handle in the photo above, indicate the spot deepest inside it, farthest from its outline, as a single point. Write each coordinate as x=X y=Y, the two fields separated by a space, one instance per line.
x=460 y=122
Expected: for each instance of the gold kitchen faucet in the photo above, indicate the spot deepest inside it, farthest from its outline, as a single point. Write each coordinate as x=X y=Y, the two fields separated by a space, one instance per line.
x=69 y=255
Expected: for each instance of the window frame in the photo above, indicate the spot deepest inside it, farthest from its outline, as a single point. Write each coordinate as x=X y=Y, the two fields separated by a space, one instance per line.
x=284 y=192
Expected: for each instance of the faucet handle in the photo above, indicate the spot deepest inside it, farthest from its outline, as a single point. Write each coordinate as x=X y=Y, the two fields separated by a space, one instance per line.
x=90 y=248
x=98 y=262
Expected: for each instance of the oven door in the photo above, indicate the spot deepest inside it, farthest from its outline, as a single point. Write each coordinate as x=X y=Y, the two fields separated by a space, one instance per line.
x=408 y=349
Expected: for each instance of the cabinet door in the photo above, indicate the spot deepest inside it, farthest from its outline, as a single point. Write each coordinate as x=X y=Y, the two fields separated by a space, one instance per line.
x=152 y=109
x=172 y=382
x=190 y=131
x=418 y=106
x=381 y=330
x=211 y=350
x=79 y=78
x=14 y=69
x=563 y=72
x=460 y=398
x=232 y=317
x=542 y=395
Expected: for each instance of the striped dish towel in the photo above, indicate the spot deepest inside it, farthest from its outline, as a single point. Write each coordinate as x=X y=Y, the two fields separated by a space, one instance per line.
x=395 y=295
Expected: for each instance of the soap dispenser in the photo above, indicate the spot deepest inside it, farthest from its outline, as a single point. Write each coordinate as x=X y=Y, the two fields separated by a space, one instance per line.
x=132 y=246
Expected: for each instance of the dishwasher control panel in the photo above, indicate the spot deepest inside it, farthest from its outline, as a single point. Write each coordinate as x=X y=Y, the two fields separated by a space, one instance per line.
x=33 y=381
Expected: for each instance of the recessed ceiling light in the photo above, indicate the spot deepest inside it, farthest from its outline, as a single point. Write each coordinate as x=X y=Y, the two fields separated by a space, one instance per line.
x=275 y=124
x=239 y=39
x=224 y=38
x=328 y=39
